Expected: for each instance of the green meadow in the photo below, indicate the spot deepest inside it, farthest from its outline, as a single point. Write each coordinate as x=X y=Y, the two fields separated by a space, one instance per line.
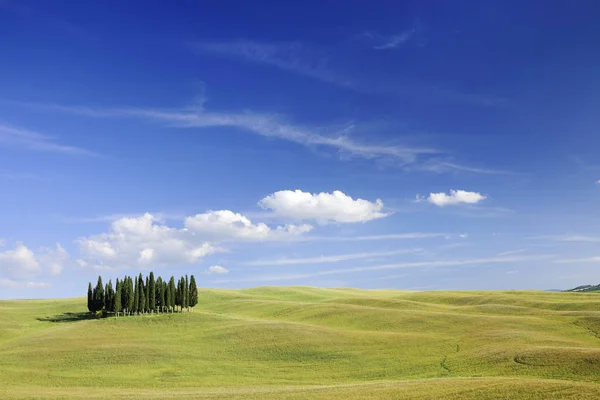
x=302 y=342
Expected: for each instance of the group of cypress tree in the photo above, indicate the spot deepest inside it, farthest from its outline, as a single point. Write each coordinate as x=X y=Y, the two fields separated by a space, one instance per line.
x=138 y=296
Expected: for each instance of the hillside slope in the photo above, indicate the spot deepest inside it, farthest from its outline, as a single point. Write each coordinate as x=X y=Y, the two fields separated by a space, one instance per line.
x=300 y=342
x=585 y=288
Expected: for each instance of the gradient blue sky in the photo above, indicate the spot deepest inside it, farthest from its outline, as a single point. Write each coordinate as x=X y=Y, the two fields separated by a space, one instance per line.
x=409 y=145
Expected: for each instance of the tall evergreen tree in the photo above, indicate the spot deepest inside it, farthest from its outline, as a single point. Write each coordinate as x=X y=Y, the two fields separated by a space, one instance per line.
x=124 y=294
x=99 y=295
x=147 y=298
x=109 y=297
x=172 y=291
x=193 y=292
x=130 y=295
x=90 y=298
x=158 y=294
x=178 y=293
x=118 y=303
x=152 y=290
x=136 y=296
x=186 y=293
x=142 y=290
x=165 y=295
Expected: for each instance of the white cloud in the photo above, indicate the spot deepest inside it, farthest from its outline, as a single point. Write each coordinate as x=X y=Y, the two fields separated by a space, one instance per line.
x=17 y=137
x=270 y=125
x=22 y=285
x=55 y=259
x=329 y=259
x=455 y=197
x=579 y=260
x=322 y=207
x=417 y=264
x=144 y=242
x=439 y=166
x=568 y=238
x=19 y=265
x=227 y=225
x=506 y=253
x=20 y=262
x=217 y=269
x=267 y=125
x=292 y=57
x=392 y=236
x=141 y=242
x=390 y=41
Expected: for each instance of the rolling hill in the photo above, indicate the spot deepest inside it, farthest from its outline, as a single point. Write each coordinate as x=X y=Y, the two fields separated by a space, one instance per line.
x=585 y=288
x=302 y=342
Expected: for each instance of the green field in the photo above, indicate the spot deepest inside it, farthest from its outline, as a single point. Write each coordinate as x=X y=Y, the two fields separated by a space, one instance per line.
x=300 y=342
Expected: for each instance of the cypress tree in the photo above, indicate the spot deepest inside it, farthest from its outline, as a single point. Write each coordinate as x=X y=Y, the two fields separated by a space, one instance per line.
x=124 y=294
x=186 y=293
x=178 y=293
x=117 y=303
x=110 y=297
x=193 y=292
x=136 y=296
x=90 y=298
x=99 y=295
x=172 y=290
x=164 y=294
x=130 y=295
x=147 y=298
x=141 y=290
x=158 y=294
x=106 y=297
x=152 y=290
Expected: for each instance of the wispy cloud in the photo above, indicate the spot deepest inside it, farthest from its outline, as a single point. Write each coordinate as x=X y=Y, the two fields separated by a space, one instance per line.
x=506 y=253
x=9 y=283
x=420 y=264
x=295 y=57
x=335 y=137
x=568 y=238
x=159 y=216
x=444 y=166
x=388 y=42
x=268 y=125
x=22 y=138
x=322 y=65
x=595 y=259
x=391 y=236
x=329 y=259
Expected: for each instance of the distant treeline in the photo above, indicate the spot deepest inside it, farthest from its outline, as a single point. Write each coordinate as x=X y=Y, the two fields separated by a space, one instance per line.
x=139 y=296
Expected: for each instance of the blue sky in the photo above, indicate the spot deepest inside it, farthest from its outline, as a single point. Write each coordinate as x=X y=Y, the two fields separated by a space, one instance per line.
x=409 y=145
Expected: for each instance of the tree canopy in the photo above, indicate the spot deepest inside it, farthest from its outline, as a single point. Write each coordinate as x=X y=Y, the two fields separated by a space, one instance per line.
x=142 y=295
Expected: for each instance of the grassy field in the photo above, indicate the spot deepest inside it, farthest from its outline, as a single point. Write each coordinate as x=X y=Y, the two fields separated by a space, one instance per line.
x=300 y=342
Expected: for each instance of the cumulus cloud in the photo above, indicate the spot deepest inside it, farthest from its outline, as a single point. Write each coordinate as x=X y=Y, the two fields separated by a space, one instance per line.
x=55 y=259
x=19 y=266
x=322 y=207
x=141 y=242
x=455 y=197
x=217 y=269
x=145 y=242
x=20 y=262
x=227 y=225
